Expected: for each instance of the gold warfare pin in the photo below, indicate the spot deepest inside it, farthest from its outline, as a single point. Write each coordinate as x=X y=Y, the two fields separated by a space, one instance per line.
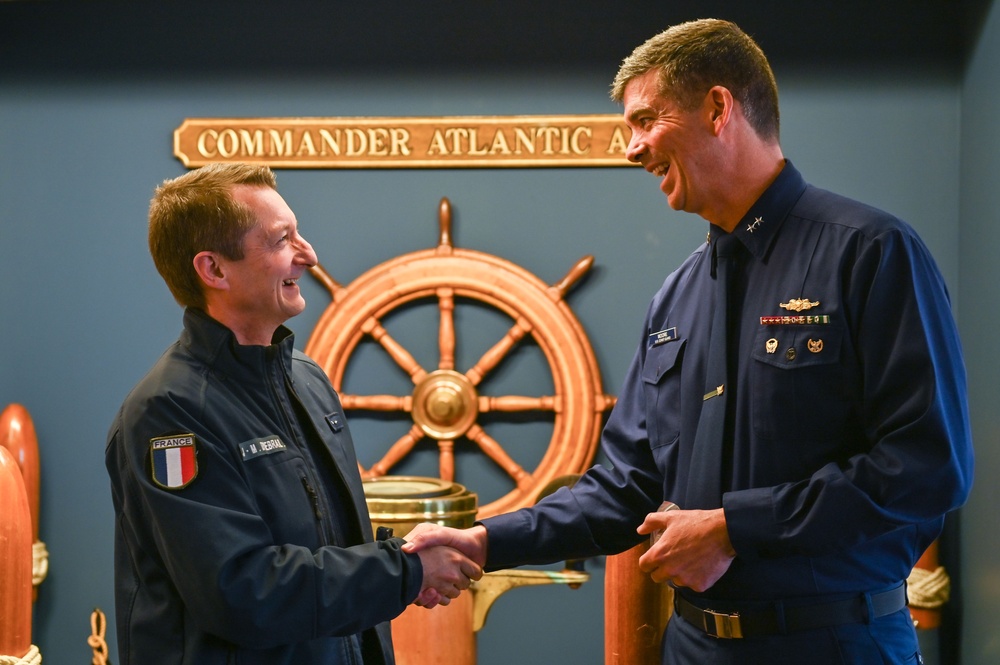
x=798 y=304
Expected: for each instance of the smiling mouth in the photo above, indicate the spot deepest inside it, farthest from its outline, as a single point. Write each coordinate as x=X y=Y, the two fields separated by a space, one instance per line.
x=290 y=282
x=660 y=170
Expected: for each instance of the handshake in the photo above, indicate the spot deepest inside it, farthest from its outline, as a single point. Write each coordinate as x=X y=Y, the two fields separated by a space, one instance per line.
x=452 y=559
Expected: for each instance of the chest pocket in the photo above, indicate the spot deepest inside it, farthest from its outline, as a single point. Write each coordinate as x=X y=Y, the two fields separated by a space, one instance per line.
x=283 y=502
x=661 y=378
x=798 y=383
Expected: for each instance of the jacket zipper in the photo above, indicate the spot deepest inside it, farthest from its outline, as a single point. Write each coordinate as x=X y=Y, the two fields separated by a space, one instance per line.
x=313 y=498
x=324 y=531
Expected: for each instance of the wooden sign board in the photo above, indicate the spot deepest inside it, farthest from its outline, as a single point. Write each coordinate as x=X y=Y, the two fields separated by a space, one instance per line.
x=409 y=142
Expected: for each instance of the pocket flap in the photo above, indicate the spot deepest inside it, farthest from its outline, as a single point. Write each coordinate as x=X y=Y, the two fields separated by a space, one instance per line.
x=661 y=359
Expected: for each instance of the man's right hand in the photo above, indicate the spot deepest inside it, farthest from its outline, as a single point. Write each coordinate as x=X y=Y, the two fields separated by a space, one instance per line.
x=427 y=539
x=471 y=542
x=447 y=572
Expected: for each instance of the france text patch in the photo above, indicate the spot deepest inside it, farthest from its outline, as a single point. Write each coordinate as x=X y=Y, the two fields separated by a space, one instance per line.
x=174 y=460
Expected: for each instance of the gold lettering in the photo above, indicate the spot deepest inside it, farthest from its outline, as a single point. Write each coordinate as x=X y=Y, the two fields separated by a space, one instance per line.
x=457 y=134
x=400 y=141
x=281 y=143
x=548 y=133
x=521 y=138
x=376 y=138
x=499 y=146
x=203 y=148
x=329 y=140
x=228 y=143
x=618 y=143
x=516 y=141
x=474 y=147
x=575 y=145
x=358 y=135
x=306 y=145
x=252 y=144
x=437 y=145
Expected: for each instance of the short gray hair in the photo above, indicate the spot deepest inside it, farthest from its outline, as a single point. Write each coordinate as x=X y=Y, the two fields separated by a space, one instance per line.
x=693 y=57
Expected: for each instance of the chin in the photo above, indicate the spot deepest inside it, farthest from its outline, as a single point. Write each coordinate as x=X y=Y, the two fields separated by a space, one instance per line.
x=673 y=203
x=293 y=309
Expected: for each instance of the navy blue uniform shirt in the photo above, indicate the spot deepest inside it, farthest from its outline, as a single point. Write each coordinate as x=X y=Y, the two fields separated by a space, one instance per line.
x=849 y=440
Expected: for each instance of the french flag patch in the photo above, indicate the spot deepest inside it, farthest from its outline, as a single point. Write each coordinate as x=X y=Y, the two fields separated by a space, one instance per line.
x=174 y=460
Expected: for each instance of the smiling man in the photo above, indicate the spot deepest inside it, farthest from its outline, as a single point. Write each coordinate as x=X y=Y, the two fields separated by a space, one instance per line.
x=792 y=442
x=242 y=533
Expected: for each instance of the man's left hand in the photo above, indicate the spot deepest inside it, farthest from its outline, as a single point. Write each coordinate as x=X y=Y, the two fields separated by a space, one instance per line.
x=693 y=551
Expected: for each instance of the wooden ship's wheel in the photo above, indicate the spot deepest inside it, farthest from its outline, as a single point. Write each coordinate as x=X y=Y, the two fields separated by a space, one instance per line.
x=446 y=404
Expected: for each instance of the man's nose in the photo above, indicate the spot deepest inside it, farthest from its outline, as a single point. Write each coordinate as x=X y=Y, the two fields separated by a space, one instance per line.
x=307 y=254
x=635 y=149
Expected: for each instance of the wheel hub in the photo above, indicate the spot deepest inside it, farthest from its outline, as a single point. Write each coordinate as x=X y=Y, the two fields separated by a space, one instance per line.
x=445 y=404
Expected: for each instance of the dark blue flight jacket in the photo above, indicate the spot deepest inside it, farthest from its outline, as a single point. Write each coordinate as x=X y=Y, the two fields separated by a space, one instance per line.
x=242 y=534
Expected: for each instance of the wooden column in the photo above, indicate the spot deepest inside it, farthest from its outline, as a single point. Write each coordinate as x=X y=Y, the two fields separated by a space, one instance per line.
x=17 y=434
x=636 y=611
x=439 y=636
x=15 y=560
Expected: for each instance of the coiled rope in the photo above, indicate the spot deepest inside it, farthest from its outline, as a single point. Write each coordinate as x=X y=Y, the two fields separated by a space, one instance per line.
x=33 y=657
x=98 y=626
x=928 y=589
x=39 y=562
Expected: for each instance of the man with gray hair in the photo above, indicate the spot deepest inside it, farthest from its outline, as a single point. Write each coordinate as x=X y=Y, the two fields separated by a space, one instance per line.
x=793 y=428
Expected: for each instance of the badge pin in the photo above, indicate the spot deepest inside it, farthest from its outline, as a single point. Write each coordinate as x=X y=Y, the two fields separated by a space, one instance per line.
x=798 y=304
x=815 y=346
x=771 y=345
x=756 y=222
x=715 y=393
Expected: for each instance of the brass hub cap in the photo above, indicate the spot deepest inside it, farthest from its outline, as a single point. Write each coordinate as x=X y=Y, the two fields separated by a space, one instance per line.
x=445 y=404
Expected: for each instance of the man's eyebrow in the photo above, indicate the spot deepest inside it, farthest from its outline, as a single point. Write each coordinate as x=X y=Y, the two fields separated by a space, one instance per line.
x=636 y=112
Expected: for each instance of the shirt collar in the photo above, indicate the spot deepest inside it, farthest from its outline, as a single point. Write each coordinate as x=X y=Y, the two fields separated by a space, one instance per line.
x=759 y=227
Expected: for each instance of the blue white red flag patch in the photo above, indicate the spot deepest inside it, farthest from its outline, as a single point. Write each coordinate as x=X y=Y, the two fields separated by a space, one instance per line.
x=174 y=460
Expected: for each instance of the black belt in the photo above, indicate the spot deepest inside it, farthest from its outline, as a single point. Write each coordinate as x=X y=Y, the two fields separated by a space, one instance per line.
x=779 y=618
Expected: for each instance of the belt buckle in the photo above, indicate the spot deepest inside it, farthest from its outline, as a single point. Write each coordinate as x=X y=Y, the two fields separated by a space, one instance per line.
x=723 y=626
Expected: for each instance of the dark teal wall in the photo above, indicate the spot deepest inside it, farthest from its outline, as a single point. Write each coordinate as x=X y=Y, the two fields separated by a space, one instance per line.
x=84 y=313
x=979 y=322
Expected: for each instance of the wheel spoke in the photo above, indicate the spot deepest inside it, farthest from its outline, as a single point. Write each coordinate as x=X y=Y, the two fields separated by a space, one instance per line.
x=394 y=349
x=332 y=285
x=376 y=402
x=499 y=455
x=446 y=334
x=498 y=351
x=398 y=451
x=512 y=403
x=558 y=291
x=447 y=462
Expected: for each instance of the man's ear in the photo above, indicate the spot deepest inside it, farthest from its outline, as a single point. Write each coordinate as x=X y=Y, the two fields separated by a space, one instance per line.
x=720 y=105
x=211 y=270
